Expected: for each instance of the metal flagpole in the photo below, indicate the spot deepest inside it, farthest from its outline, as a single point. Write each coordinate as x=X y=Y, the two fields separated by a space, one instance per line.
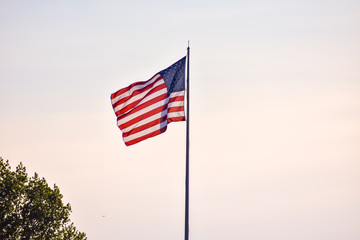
x=187 y=148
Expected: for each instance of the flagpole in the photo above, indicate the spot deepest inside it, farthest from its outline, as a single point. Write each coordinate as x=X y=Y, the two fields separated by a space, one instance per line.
x=187 y=147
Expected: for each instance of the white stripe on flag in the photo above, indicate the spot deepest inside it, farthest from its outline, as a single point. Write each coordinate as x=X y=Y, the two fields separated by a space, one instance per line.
x=145 y=121
x=176 y=114
x=146 y=131
x=176 y=104
x=142 y=111
x=134 y=88
x=176 y=94
x=142 y=95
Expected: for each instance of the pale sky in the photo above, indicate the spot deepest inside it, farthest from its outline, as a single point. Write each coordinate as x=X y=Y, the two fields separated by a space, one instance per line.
x=275 y=115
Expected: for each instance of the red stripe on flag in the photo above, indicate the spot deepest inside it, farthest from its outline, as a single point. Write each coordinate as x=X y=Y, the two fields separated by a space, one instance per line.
x=137 y=92
x=145 y=126
x=135 y=108
x=153 y=134
x=176 y=119
x=128 y=88
x=176 y=99
x=176 y=109
x=144 y=105
x=141 y=117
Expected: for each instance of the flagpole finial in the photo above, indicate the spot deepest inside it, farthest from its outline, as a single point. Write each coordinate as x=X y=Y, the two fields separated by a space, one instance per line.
x=188 y=43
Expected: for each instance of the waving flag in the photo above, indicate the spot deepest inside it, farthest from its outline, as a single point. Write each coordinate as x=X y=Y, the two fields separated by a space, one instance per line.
x=144 y=109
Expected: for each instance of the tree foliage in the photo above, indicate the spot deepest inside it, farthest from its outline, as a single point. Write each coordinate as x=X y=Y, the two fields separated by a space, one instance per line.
x=30 y=209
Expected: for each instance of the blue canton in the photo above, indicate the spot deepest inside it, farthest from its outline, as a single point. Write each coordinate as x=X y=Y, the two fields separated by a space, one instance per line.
x=174 y=76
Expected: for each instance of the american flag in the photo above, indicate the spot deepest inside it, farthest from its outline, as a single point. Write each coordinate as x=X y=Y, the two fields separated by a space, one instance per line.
x=144 y=109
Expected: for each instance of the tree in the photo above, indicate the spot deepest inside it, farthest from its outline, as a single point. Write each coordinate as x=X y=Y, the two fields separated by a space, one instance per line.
x=30 y=209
